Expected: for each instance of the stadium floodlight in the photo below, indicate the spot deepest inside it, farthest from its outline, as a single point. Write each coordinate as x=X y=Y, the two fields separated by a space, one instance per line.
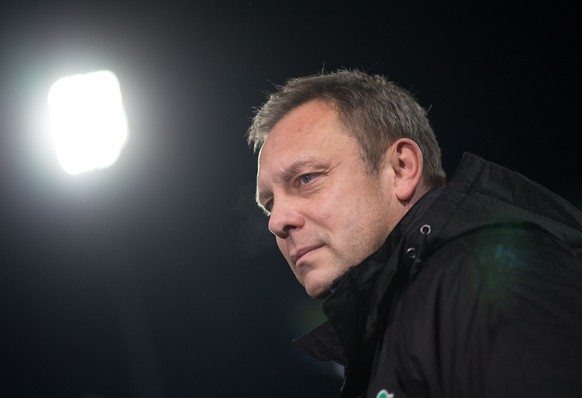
x=88 y=121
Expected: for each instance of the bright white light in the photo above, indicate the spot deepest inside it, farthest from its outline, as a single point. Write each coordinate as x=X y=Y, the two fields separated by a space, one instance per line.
x=88 y=121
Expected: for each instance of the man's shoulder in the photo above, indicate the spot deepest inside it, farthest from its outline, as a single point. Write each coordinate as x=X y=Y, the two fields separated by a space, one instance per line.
x=509 y=267
x=507 y=247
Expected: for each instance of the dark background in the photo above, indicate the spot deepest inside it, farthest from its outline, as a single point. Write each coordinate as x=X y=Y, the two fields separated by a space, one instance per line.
x=157 y=277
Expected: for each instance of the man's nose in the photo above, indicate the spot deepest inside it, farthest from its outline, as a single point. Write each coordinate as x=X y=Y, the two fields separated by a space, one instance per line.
x=284 y=218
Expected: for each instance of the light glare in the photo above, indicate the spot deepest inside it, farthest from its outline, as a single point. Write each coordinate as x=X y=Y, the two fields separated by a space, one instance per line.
x=88 y=121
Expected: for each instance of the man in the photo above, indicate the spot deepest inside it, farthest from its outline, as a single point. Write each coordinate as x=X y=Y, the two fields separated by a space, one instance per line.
x=471 y=288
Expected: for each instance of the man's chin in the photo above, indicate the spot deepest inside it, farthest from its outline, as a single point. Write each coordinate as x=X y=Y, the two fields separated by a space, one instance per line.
x=317 y=291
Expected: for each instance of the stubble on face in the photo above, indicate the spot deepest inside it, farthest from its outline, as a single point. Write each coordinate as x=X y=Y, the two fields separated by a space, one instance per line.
x=325 y=201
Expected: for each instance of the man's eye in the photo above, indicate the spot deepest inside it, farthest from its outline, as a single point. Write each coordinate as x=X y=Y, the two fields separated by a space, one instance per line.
x=307 y=178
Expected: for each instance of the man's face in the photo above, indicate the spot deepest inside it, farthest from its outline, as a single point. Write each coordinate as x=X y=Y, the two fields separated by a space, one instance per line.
x=327 y=211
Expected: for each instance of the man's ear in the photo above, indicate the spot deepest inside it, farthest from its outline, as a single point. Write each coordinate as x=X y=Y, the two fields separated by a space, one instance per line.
x=405 y=158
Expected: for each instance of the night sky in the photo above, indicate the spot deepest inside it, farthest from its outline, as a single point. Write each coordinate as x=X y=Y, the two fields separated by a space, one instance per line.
x=157 y=277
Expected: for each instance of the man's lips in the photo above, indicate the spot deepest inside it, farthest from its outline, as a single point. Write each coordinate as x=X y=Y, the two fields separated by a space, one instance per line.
x=295 y=256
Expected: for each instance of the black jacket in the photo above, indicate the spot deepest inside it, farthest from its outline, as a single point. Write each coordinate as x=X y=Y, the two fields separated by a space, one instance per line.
x=476 y=293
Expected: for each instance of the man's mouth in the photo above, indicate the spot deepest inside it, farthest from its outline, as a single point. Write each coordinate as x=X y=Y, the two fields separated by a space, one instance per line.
x=303 y=251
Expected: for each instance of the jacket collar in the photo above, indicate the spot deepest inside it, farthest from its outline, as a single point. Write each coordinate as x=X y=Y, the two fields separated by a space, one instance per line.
x=478 y=195
x=360 y=297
